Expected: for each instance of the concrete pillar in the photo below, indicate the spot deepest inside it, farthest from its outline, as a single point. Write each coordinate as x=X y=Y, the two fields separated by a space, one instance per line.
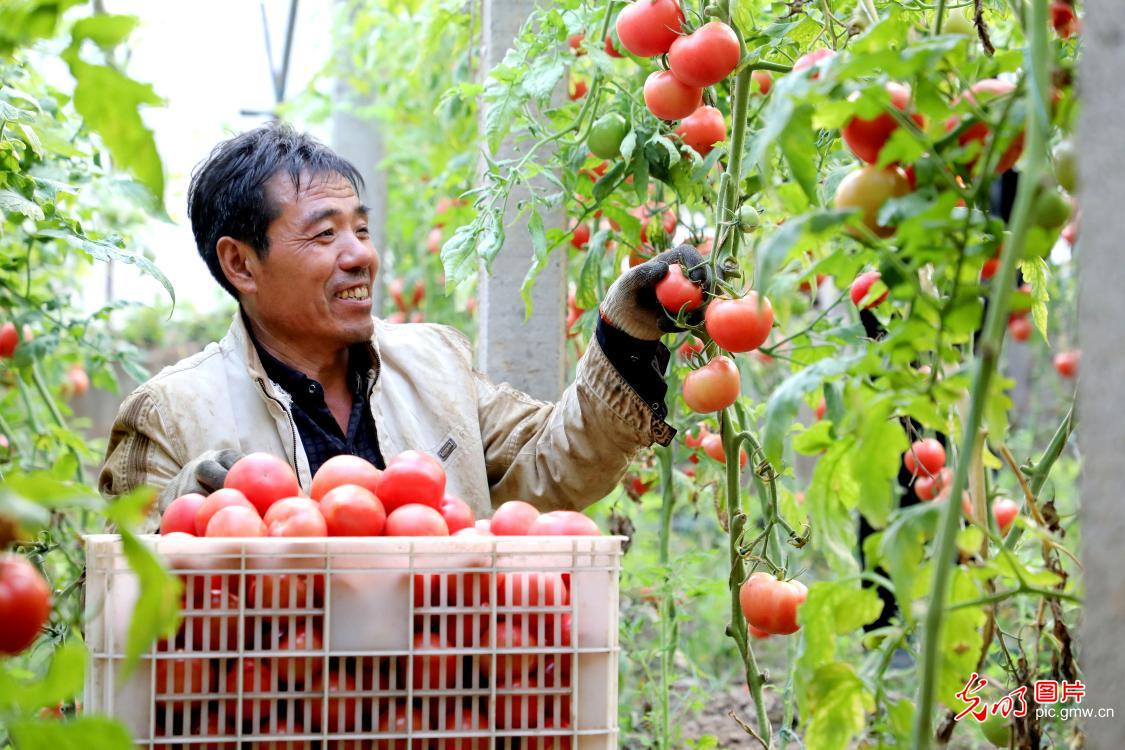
x=528 y=354
x=1101 y=397
x=358 y=140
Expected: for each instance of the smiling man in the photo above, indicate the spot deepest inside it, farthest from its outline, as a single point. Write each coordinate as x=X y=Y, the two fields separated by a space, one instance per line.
x=306 y=372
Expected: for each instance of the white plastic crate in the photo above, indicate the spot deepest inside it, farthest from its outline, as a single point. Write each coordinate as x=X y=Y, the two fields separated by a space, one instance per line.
x=456 y=643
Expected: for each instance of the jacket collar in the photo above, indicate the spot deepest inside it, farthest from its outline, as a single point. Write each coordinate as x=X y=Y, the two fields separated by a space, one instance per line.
x=241 y=342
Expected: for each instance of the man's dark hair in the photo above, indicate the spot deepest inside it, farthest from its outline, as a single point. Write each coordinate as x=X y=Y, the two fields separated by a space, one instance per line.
x=227 y=195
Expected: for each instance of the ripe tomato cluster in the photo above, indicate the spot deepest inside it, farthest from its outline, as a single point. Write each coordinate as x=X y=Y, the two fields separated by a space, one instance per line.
x=770 y=605
x=349 y=497
x=472 y=632
x=933 y=480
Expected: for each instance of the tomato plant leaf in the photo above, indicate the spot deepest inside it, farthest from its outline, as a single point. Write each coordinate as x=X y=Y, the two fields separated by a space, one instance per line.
x=838 y=703
x=781 y=409
x=798 y=145
x=961 y=639
x=157 y=611
x=79 y=733
x=62 y=682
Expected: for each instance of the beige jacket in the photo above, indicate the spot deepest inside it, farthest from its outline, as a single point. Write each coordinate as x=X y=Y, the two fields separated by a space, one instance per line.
x=496 y=443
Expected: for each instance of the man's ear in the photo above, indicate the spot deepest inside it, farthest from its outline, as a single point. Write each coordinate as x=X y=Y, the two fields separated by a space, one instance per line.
x=239 y=261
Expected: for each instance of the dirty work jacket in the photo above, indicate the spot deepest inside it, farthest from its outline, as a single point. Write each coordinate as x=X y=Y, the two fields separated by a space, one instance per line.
x=496 y=443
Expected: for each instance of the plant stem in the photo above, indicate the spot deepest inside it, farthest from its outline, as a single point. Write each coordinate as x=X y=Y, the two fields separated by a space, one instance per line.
x=737 y=629
x=733 y=173
x=985 y=367
x=668 y=629
x=939 y=13
x=45 y=393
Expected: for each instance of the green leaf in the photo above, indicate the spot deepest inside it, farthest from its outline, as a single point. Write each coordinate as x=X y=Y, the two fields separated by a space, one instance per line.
x=63 y=681
x=878 y=456
x=833 y=608
x=458 y=254
x=13 y=203
x=961 y=639
x=1035 y=272
x=781 y=410
x=81 y=733
x=586 y=292
x=798 y=145
x=902 y=549
x=157 y=612
x=838 y=704
x=108 y=101
x=831 y=495
x=105 y=30
x=539 y=248
x=776 y=249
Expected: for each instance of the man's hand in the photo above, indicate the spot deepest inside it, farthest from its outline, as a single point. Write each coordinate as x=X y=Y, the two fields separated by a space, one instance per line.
x=630 y=305
x=203 y=475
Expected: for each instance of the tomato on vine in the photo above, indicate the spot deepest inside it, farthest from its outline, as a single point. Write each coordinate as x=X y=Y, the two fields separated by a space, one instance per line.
x=927 y=454
x=739 y=325
x=1066 y=363
x=809 y=59
x=649 y=27
x=668 y=98
x=761 y=82
x=702 y=129
x=867 y=189
x=866 y=138
x=713 y=387
x=981 y=93
x=9 y=339
x=706 y=55
x=606 y=135
x=676 y=292
x=25 y=603
x=861 y=288
x=771 y=605
x=1005 y=511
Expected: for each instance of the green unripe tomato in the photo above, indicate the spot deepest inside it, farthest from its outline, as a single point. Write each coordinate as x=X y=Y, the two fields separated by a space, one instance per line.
x=1052 y=209
x=997 y=730
x=748 y=218
x=1066 y=166
x=606 y=135
x=958 y=22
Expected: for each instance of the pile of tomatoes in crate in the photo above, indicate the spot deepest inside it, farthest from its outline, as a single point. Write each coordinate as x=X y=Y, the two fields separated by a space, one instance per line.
x=490 y=650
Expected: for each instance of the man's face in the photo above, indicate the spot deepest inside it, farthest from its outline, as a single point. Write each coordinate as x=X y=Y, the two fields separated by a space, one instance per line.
x=314 y=284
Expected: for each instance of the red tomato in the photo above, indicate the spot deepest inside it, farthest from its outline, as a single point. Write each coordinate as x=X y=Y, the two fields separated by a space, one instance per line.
x=394 y=719
x=457 y=513
x=257 y=677
x=563 y=523
x=1064 y=20
x=697 y=441
x=690 y=347
x=263 y=479
x=213 y=503
x=866 y=138
x=411 y=477
x=9 y=340
x=713 y=387
x=1020 y=327
x=236 y=521
x=929 y=487
x=1066 y=363
x=306 y=659
x=610 y=49
x=706 y=55
x=210 y=620
x=513 y=518
x=771 y=605
x=515 y=707
x=739 y=325
x=341 y=710
x=281 y=591
x=537 y=589
x=862 y=286
x=580 y=235
x=761 y=81
x=434 y=668
x=1005 y=512
x=295 y=516
x=821 y=408
x=648 y=27
x=868 y=188
x=808 y=60
x=578 y=90
x=344 y=469
x=180 y=514
x=669 y=99
x=925 y=456
x=575 y=43
x=713 y=447
x=25 y=603
x=756 y=632
x=702 y=129
x=433 y=241
x=77 y=381
x=469 y=721
x=414 y=519
x=676 y=291
x=987 y=89
x=351 y=510
x=179 y=675
x=988 y=270
x=549 y=741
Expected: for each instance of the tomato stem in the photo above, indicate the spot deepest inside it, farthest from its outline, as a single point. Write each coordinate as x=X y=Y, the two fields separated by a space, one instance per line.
x=984 y=368
x=668 y=629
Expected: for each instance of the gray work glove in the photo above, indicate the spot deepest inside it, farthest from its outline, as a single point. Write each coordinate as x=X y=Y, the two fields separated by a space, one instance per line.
x=630 y=305
x=203 y=475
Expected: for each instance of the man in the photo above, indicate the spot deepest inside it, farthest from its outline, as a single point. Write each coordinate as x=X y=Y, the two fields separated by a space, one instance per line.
x=307 y=373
